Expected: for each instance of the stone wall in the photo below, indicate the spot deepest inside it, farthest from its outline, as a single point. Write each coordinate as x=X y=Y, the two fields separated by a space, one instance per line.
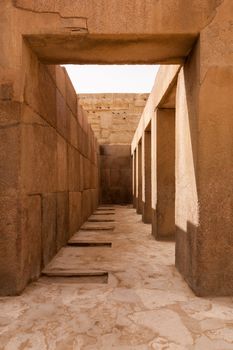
x=47 y=197
x=115 y=174
x=114 y=119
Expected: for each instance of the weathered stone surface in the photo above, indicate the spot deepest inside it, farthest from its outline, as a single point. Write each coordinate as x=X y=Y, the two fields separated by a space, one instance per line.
x=62 y=164
x=146 y=298
x=113 y=117
x=115 y=177
x=75 y=211
x=73 y=169
x=39 y=158
x=163 y=226
x=10 y=113
x=49 y=228
x=31 y=239
x=63 y=115
x=200 y=39
x=9 y=261
x=73 y=131
x=62 y=222
x=86 y=204
x=146 y=185
x=9 y=159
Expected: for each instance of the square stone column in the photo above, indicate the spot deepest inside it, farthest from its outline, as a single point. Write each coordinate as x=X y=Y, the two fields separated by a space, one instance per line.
x=204 y=161
x=163 y=213
x=146 y=176
x=139 y=178
x=134 y=177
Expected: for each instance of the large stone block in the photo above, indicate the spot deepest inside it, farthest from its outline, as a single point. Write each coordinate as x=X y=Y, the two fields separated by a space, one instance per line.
x=9 y=159
x=30 y=239
x=87 y=173
x=40 y=92
x=73 y=169
x=39 y=159
x=62 y=219
x=49 y=234
x=86 y=204
x=63 y=115
x=75 y=211
x=71 y=96
x=60 y=75
x=10 y=113
x=62 y=164
x=82 y=174
x=9 y=258
x=73 y=133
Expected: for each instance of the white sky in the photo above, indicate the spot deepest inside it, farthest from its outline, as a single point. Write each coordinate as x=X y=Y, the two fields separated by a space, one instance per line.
x=112 y=78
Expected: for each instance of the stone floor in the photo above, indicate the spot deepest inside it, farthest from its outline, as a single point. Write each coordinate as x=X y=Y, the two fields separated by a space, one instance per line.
x=143 y=304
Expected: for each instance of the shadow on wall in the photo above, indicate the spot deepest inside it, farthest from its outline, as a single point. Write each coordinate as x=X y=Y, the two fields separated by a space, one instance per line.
x=115 y=174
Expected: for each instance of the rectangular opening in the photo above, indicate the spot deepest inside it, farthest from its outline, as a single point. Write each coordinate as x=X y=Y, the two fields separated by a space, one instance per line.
x=104 y=213
x=90 y=244
x=96 y=278
x=99 y=220
x=105 y=209
x=97 y=228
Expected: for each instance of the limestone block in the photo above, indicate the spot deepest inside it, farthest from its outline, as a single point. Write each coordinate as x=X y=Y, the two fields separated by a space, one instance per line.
x=73 y=169
x=9 y=159
x=63 y=115
x=31 y=241
x=49 y=215
x=9 y=264
x=60 y=74
x=115 y=177
x=40 y=92
x=94 y=199
x=62 y=166
x=62 y=221
x=10 y=112
x=87 y=173
x=73 y=134
x=106 y=120
x=6 y=92
x=75 y=211
x=85 y=121
x=93 y=176
x=71 y=97
x=85 y=144
x=39 y=158
x=82 y=174
x=80 y=138
x=79 y=114
x=86 y=204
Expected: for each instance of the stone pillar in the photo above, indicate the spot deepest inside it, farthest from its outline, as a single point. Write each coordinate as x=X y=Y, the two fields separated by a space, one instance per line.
x=146 y=205
x=204 y=166
x=134 y=178
x=139 y=178
x=163 y=213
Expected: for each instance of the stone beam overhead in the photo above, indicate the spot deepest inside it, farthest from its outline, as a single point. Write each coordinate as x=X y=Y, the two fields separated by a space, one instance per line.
x=114 y=31
x=107 y=49
x=162 y=95
x=112 y=16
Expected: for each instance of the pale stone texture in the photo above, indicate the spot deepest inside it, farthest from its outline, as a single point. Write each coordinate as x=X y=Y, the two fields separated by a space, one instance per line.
x=41 y=163
x=146 y=178
x=163 y=218
x=144 y=305
x=196 y=34
x=114 y=118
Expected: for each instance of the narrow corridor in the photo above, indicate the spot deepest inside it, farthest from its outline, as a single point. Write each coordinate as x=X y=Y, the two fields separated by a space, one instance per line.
x=114 y=287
